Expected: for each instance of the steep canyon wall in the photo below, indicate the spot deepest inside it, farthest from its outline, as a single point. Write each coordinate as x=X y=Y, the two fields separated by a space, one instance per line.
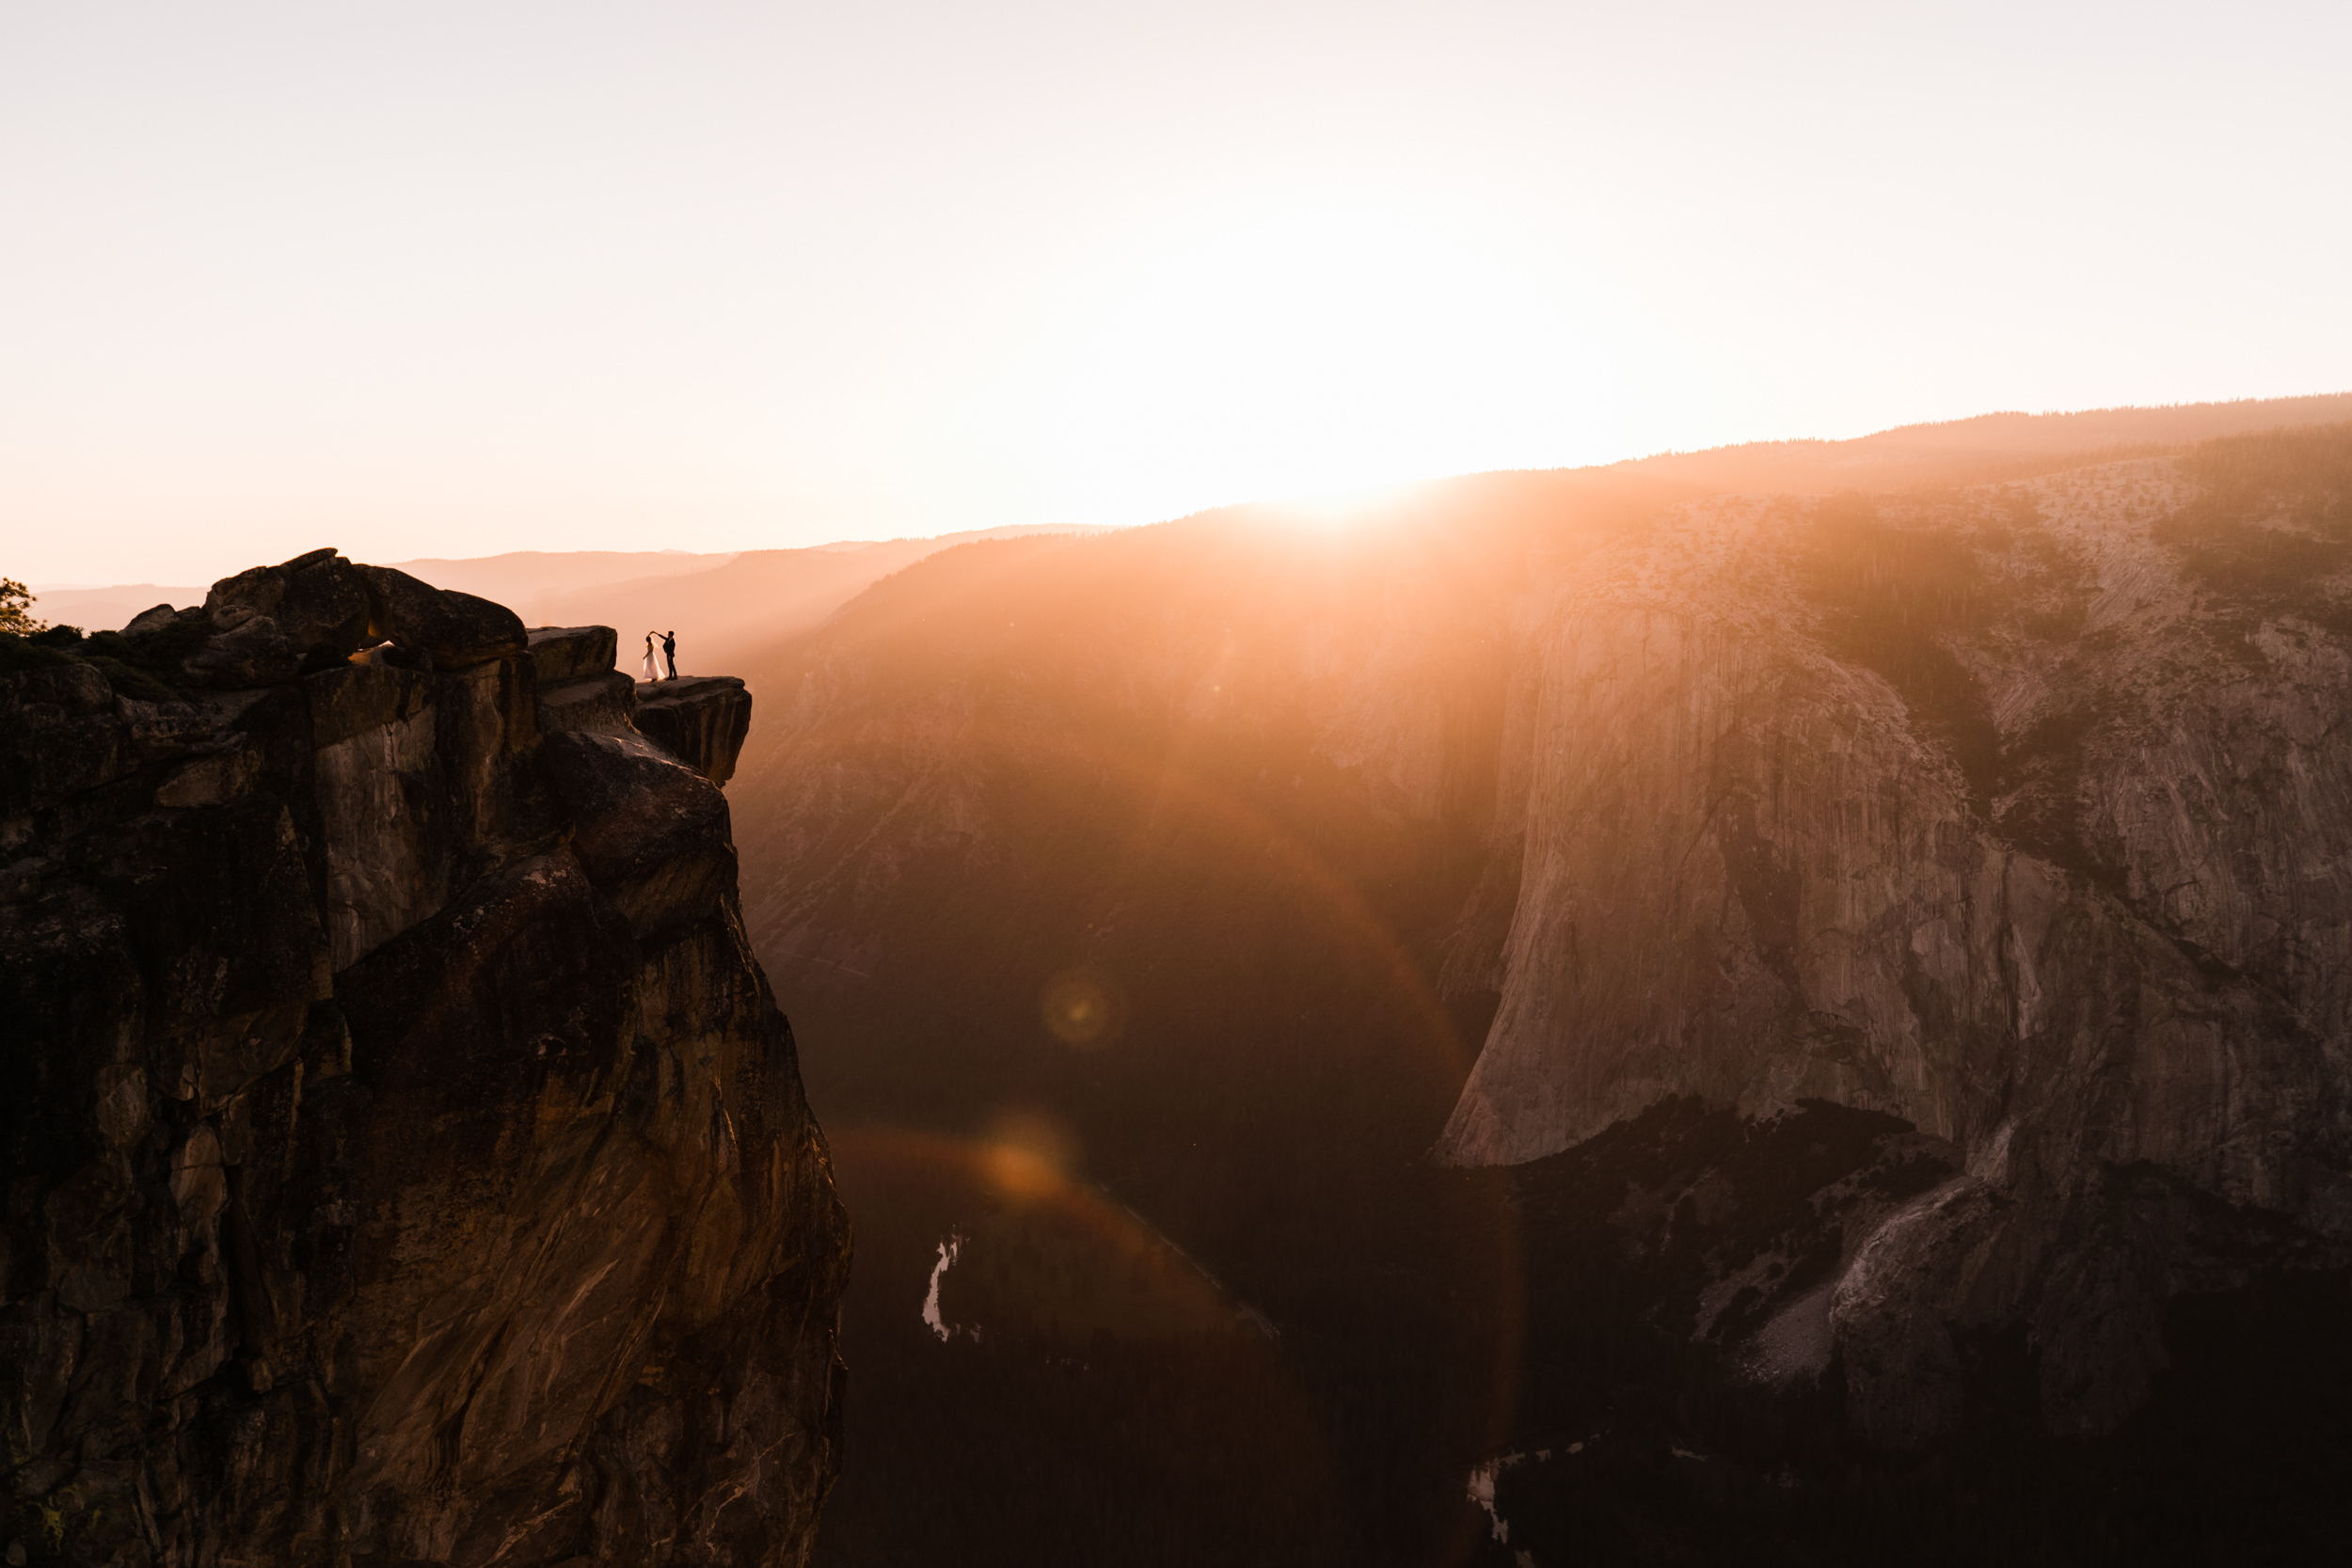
x=1982 y=810
x=2022 y=812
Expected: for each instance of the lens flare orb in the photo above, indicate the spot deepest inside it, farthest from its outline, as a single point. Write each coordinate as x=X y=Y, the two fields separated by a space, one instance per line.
x=1083 y=1008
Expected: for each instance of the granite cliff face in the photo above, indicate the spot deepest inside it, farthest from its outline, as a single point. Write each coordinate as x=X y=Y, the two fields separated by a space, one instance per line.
x=407 y=1161
x=2018 y=814
x=2007 y=814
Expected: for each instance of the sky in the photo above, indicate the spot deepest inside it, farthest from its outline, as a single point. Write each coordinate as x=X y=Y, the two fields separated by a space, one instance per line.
x=428 y=279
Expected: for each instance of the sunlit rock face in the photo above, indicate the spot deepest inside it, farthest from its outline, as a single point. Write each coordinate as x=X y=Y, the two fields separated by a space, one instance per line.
x=407 y=1161
x=2023 y=815
x=2020 y=813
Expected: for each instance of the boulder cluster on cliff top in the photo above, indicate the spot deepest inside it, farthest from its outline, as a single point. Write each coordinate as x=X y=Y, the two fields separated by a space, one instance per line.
x=275 y=624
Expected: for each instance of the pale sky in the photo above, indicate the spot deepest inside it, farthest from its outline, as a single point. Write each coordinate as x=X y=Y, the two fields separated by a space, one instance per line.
x=451 y=279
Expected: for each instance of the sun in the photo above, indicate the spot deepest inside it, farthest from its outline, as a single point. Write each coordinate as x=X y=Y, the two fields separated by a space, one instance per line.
x=1343 y=510
x=1326 y=352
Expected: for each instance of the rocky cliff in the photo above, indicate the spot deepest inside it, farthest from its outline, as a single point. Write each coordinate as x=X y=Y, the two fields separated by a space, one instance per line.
x=2022 y=815
x=2011 y=822
x=405 y=1159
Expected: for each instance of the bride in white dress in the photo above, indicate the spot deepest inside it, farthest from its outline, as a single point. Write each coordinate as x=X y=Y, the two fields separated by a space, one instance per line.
x=651 y=674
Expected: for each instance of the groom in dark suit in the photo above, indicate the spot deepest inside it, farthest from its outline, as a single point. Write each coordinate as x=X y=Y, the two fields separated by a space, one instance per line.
x=669 y=652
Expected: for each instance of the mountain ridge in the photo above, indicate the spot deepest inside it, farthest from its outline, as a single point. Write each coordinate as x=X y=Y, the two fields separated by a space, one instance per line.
x=1635 y=795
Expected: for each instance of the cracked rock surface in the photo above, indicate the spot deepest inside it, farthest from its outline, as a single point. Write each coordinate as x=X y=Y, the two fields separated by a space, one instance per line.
x=405 y=1160
x=2023 y=815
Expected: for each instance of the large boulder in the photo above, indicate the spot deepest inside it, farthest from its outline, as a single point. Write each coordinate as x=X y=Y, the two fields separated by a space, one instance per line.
x=652 y=834
x=255 y=653
x=274 y=622
x=455 y=629
x=561 y=654
x=579 y=688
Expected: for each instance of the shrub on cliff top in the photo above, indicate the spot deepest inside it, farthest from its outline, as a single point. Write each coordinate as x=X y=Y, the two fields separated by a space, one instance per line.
x=17 y=653
x=140 y=665
x=16 y=609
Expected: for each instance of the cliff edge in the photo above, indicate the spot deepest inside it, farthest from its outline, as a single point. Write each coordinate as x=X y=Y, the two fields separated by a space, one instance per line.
x=405 y=1160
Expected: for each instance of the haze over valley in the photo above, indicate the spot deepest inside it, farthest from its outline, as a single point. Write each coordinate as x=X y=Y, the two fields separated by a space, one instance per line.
x=1788 y=860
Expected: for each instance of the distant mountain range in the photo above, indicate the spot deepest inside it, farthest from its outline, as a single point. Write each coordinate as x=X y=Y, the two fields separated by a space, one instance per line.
x=731 y=604
x=1983 y=449
x=721 y=605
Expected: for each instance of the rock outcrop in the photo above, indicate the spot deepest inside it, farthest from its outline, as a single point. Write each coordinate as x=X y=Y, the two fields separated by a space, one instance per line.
x=405 y=1159
x=701 y=718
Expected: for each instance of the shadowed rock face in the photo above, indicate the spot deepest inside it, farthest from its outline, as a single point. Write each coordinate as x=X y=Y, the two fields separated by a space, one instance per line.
x=701 y=718
x=405 y=1160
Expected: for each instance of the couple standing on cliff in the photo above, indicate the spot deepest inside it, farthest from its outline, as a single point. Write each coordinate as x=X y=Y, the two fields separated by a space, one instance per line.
x=669 y=651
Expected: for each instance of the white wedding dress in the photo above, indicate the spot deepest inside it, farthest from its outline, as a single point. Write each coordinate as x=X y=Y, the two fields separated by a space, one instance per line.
x=651 y=673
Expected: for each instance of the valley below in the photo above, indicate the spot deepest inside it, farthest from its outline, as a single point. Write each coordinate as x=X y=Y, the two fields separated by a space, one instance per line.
x=1665 y=1022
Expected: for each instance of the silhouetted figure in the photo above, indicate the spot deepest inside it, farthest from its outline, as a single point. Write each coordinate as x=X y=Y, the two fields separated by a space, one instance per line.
x=653 y=671
x=669 y=651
